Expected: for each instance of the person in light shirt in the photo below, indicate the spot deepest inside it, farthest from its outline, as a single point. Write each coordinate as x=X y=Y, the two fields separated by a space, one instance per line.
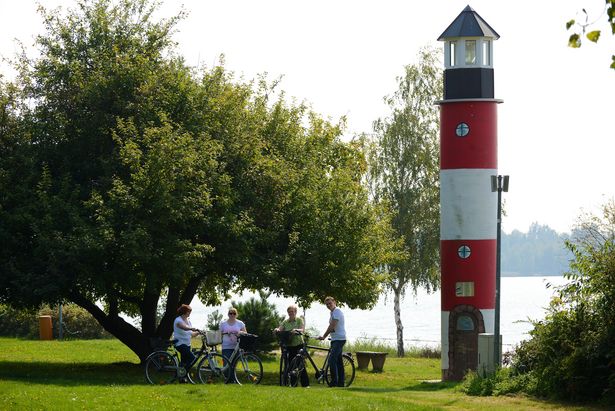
x=230 y=328
x=338 y=338
x=183 y=333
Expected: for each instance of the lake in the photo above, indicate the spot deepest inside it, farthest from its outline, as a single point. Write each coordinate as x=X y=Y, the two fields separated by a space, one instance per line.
x=522 y=298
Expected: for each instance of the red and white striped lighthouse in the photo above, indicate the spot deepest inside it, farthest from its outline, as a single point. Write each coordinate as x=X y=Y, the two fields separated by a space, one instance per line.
x=468 y=207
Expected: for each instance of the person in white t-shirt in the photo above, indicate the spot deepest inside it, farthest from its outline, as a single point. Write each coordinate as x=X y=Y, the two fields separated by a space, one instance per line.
x=230 y=328
x=338 y=339
x=183 y=333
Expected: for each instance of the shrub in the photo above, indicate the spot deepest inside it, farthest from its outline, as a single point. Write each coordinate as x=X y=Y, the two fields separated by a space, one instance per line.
x=78 y=323
x=260 y=318
x=504 y=381
x=571 y=354
x=22 y=323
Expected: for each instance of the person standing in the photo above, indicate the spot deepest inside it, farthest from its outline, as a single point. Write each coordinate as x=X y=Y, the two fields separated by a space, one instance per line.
x=338 y=339
x=230 y=328
x=183 y=333
x=294 y=325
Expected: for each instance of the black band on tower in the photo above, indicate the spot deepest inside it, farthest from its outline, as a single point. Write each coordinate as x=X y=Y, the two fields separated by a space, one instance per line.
x=463 y=83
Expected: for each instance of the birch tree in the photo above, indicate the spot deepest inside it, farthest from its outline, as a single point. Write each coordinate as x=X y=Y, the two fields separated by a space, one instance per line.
x=404 y=174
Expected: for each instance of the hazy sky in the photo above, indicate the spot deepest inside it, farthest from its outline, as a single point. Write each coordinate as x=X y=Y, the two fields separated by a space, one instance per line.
x=556 y=137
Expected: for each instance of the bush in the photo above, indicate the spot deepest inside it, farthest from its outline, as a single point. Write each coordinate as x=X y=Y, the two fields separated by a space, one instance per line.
x=78 y=323
x=571 y=354
x=260 y=318
x=19 y=323
x=504 y=381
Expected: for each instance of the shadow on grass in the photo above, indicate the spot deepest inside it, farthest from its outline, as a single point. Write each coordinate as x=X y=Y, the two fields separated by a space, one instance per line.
x=122 y=373
x=422 y=386
x=432 y=386
x=80 y=374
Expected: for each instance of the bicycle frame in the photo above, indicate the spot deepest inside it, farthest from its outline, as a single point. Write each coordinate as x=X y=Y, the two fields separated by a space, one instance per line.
x=239 y=355
x=322 y=373
x=183 y=371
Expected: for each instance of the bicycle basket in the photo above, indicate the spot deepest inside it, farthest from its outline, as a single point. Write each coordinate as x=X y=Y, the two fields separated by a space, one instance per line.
x=213 y=337
x=284 y=337
x=247 y=341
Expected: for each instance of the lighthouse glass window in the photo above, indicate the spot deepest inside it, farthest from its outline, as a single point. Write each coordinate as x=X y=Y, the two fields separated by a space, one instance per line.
x=465 y=323
x=486 y=53
x=470 y=52
x=451 y=53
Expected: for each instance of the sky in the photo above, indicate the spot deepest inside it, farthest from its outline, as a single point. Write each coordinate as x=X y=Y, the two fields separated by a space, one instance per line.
x=556 y=137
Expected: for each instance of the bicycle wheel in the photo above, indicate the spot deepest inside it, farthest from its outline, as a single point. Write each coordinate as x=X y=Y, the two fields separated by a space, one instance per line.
x=160 y=368
x=349 y=371
x=248 y=369
x=296 y=367
x=213 y=368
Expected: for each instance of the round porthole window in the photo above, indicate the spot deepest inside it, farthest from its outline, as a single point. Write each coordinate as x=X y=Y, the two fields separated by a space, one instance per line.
x=462 y=130
x=464 y=251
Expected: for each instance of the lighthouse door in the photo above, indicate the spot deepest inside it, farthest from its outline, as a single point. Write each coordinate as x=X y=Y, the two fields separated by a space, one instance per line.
x=464 y=330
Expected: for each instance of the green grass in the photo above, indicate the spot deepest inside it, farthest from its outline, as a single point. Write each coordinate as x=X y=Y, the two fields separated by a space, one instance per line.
x=104 y=374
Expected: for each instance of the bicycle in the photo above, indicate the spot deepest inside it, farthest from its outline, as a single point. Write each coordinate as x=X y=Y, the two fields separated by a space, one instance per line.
x=162 y=366
x=283 y=339
x=322 y=374
x=246 y=367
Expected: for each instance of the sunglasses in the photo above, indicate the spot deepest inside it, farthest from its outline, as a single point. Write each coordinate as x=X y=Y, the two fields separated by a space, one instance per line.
x=232 y=313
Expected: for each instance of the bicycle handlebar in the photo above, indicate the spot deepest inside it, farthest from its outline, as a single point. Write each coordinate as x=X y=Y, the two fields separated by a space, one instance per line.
x=240 y=334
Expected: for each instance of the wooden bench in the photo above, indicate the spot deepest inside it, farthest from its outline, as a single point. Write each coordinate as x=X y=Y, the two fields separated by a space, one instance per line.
x=377 y=359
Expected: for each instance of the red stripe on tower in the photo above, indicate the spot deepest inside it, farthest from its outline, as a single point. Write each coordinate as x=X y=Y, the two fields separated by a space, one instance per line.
x=468 y=207
x=478 y=148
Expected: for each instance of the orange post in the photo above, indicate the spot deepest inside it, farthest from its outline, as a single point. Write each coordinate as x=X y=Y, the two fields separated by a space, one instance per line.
x=46 y=328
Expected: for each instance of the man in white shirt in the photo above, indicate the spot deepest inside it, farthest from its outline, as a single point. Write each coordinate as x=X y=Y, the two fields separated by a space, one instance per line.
x=338 y=339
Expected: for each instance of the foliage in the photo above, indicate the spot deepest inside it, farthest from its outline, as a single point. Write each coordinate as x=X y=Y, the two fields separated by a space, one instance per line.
x=213 y=320
x=575 y=39
x=260 y=317
x=21 y=323
x=136 y=179
x=540 y=251
x=503 y=382
x=77 y=322
x=404 y=175
x=571 y=353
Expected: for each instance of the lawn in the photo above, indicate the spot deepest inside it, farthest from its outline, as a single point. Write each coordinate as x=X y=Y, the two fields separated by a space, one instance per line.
x=104 y=374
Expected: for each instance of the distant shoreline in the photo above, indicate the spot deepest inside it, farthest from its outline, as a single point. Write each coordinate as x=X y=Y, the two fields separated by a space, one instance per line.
x=513 y=274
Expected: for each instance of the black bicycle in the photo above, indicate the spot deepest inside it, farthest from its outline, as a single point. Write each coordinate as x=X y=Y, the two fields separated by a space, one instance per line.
x=162 y=366
x=322 y=374
x=283 y=339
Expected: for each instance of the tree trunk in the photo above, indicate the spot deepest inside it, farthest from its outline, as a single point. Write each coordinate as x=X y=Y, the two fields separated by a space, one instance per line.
x=176 y=297
x=139 y=342
x=134 y=339
x=398 y=324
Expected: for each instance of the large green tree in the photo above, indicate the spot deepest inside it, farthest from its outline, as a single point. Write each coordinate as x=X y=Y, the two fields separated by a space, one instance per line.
x=130 y=181
x=404 y=174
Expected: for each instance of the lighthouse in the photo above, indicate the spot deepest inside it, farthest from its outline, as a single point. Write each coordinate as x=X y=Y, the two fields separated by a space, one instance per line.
x=468 y=207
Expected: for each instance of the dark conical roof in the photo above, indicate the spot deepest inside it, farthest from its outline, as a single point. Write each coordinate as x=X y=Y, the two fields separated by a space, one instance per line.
x=469 y=24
